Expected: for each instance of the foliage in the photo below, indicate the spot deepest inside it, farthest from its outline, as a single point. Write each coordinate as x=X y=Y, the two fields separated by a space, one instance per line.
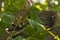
x=32 y=31
x=6 y=20
x=14 y=5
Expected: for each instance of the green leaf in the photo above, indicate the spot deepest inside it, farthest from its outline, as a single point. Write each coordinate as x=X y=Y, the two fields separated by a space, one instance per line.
x=34 y=12
x=36 y=25
x=34 y=31
x=29 y=31
x=39 y=33
x=7 y=18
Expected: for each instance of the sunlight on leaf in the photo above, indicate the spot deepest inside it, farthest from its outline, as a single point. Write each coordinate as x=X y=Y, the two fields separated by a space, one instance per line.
x=38 y=7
